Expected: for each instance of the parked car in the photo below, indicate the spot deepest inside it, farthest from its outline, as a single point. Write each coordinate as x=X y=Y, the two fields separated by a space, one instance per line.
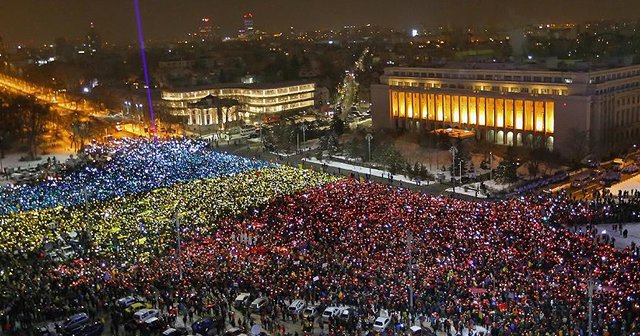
x=203 y=325
x=348 y=314
x=175 y=332
x=67 y=252
x=143 y=315
x=241 y=300
x=49 y=329
x=311 y=312
x=153 y=325
x=91 y=329
x=418 y=331
x=74 y=321
x=331 y=312
x=125 y=301
x=137 y=306
x=258 y=304
x=234 y=332
x=296 y=307
x=381 y=323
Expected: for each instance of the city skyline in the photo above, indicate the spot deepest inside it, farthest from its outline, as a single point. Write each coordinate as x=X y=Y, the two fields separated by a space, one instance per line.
x=34 y=22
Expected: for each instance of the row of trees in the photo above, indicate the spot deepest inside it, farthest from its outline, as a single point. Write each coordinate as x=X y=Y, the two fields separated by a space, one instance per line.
x=382 y=153
x=23 y=124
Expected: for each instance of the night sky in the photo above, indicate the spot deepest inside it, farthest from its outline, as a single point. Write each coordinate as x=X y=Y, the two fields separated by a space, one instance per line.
x=40 y=21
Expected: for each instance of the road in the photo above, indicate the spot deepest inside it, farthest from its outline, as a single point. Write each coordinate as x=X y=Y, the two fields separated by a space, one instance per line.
x=348 y=91
x=46 y=95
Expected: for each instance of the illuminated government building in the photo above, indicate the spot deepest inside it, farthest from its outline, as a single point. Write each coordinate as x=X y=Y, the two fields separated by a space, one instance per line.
x=515 y=107
x=253 y=101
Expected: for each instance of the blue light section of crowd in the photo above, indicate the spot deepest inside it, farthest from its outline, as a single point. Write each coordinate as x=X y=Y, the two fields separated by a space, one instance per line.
x=125 y=167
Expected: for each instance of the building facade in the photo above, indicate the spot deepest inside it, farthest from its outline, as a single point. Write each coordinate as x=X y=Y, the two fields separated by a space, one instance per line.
x=213 y=114
x=516 y=107
x=255 y=100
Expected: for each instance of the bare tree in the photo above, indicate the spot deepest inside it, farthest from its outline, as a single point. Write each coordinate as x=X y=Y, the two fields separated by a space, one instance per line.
x=577 y=147
x=38 y=118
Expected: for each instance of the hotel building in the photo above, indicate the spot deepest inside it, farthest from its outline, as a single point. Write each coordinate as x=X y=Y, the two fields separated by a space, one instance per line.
x=513 y=106
x=255 y=100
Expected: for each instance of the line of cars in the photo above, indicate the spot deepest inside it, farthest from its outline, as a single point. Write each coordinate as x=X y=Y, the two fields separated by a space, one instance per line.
x=140 y=315
x=243 y=300
x=79 y=324
x=339 y=314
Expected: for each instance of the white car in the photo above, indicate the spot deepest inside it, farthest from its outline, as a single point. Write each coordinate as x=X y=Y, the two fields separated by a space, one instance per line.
x=311 y=311
x=67 y=252
x=296 y=307
x=381 y=323
x=330 y=312
x=242 y=299
x=258 y=303
x=143 y=315
x=126 y=301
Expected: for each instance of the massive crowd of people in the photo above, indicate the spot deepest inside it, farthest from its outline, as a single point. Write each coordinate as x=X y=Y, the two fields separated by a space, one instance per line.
x=124 y=167
x=511 y=266
x=150 y=218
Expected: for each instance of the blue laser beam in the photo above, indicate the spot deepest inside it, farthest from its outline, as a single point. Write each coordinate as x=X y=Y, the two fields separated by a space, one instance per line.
x=144 y=66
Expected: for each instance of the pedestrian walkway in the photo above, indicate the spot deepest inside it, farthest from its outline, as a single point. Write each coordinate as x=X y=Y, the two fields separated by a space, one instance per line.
x=365 y=171
x=633 y=233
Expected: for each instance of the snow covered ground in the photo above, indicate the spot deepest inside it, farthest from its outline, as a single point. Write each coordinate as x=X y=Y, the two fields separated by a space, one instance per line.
x=633 y=233
x=473 y=189
x=363 y=170
x=13 y=160
x=629 y=185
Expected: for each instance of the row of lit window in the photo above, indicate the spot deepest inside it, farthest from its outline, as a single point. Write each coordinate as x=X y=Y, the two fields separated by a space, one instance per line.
x=240 y=92
x=519 y=114
x=493 y=77
x=279 y=108
x=505 y=89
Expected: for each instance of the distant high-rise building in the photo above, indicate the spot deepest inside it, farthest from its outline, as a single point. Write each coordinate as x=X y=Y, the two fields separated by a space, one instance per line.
x=206 y=31
x=248 y=23
x=63 y=49
x=93 y=43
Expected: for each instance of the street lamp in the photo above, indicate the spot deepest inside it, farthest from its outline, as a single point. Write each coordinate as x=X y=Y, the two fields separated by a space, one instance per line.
x=490 y=166
x=369 y=137
x=139 y=111
x=304 y=129
x=453 y=150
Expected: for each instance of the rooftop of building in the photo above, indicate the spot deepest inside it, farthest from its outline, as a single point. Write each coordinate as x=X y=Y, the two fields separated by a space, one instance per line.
x=254 y=86
x=551 y=65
